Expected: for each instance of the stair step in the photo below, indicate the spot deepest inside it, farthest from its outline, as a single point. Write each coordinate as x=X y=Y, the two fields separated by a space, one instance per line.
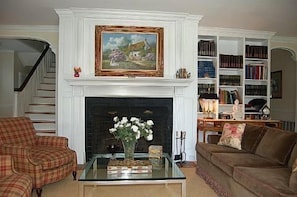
x=37 y=116
x=52 y=68
x=43 y=100
x=46 y=132
x=49 y=125
x=50 y=74
x=49 y=80
x=47 y=86
x=42 y=108
x=48 y=93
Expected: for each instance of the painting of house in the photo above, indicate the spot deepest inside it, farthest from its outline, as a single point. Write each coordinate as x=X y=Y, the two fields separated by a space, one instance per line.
x=132 y=51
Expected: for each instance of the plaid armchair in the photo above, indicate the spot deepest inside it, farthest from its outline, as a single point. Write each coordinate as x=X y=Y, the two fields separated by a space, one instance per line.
x=46 y=159
x=12 y=183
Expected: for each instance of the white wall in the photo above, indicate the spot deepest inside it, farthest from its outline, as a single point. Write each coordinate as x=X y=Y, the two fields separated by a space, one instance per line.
x=6 y=83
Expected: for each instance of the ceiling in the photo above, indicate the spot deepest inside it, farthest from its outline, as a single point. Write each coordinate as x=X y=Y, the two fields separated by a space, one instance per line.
x=278 y=16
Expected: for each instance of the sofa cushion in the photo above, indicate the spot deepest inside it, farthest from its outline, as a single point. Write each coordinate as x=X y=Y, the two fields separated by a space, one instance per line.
x=206 y=149
x=17 y=130
x=276 y=145
x=270 y=182
x=227 y=161
x=51 y=157
x=232 y=135
x=252 y=136
x=293 y=156
x=293 y=177
x=294 y=166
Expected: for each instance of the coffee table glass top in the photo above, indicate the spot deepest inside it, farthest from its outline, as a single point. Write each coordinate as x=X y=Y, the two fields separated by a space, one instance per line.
x=163 y=169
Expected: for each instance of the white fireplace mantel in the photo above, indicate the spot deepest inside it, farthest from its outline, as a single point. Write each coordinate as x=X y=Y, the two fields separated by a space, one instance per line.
x=124 y=81
x=77 y=48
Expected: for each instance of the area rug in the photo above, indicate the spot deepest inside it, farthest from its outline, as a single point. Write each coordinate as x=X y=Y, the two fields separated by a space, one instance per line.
x=219 y=190
x=186 y=164
x=196 y=187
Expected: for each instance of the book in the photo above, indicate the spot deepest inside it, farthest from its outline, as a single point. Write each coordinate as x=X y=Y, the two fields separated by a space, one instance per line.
x=129 y=166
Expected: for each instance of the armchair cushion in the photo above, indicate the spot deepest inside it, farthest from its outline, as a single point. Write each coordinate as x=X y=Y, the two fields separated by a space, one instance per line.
x=17 y=131
x=50 y=157
x=13 y=184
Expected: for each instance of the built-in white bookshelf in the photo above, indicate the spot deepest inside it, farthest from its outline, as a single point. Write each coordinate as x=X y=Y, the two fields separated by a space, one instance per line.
x=234 y=64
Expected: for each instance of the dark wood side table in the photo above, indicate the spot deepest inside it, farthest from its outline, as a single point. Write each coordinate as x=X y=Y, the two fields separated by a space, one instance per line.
x=216 y=125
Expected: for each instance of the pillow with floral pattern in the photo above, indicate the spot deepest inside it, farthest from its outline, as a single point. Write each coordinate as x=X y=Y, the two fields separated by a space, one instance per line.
x=232 y=135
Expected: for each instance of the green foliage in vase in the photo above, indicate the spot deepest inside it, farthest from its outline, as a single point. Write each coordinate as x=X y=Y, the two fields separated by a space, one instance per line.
x=133 y=129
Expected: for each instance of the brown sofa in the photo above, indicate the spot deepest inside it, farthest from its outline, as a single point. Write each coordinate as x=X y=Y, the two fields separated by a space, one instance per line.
x=12 y=183
x=46 y=159
x=262 y=168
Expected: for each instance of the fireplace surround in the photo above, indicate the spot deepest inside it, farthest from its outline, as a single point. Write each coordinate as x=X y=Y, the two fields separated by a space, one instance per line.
x=77 y=48
x=99 y=118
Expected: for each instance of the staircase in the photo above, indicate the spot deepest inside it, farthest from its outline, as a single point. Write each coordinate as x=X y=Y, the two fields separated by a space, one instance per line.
x=42 y=110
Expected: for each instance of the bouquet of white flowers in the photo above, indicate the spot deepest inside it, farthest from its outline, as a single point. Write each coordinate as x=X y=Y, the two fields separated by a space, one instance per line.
x=132 y=130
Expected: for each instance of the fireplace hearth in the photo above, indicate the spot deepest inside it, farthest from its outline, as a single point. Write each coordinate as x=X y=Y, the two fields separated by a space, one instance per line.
x=99 y=119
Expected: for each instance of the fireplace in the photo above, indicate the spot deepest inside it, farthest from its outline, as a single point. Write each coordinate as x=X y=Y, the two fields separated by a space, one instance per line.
x=77 y=48
x=99 y=118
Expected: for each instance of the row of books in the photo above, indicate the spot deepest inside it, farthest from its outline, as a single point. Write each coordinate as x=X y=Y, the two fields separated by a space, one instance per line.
x=206 y=48
x=129 y=167
x=231 y=61
x=253 y=116
x=256 y=52
x=256 y=71
x=231 y=80
x=206 y=88
x=206 y=69
x=228 y=97
x=256 y=90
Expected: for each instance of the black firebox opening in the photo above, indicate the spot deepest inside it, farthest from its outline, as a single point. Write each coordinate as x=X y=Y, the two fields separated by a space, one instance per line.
x=100 y=112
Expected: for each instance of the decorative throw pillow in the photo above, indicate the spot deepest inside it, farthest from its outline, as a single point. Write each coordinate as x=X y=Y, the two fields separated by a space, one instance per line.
x=232 y=135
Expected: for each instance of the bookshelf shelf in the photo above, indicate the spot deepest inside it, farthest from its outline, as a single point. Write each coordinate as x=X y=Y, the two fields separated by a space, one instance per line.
x=240 y=62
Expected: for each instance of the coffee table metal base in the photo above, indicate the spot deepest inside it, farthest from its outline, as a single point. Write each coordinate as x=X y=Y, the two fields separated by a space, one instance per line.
x=82 y=184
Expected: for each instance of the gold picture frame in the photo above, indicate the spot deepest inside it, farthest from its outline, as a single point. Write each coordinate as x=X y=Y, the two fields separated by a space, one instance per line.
x=129 y=51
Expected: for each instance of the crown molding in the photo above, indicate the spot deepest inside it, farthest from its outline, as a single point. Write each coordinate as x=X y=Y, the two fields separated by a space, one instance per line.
x=128 y=14
x=284 y=39
x=35 y=28
x=233 y=32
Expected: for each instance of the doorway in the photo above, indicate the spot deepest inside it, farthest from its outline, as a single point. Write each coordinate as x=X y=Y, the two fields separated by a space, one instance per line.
x=283 y=107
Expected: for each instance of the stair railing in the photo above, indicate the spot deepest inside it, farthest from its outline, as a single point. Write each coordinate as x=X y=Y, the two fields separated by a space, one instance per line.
x=24 y=94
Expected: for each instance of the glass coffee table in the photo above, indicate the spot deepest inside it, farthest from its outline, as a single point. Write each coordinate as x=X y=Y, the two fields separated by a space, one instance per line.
x=164 y=171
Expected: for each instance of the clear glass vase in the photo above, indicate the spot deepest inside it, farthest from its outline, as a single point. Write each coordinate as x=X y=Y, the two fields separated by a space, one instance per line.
x=129 y=148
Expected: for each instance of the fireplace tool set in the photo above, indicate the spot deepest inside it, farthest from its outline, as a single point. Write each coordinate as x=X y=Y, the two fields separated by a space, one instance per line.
x=180 y=147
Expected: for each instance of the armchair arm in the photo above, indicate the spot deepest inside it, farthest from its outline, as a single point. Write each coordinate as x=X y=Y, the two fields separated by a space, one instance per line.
x=19 y=153
x=6 y=165
x=56 y=141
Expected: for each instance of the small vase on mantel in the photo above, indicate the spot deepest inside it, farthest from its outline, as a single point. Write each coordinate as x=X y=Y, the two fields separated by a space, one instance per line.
x=129 y=148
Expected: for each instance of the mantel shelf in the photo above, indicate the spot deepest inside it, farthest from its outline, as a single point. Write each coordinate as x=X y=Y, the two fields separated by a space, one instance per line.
x=124 y=81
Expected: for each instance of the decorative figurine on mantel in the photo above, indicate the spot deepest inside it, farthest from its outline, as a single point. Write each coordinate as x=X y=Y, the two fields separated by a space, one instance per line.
x=182 y=73
x=77 y=70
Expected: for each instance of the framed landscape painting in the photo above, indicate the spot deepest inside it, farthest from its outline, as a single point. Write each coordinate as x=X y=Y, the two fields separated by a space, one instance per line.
x=129 y=51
